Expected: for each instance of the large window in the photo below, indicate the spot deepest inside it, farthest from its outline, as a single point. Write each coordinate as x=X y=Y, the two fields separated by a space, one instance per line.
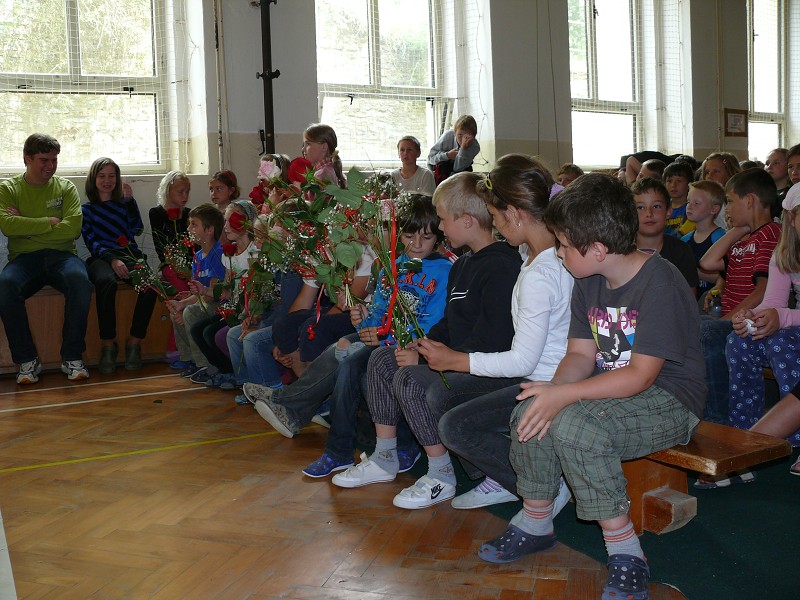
x=376 y=68
x=766 y=75
x=89 y=72
x=605 y=96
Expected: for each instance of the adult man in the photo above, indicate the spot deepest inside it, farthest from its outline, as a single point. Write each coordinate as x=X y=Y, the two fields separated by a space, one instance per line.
x=41 y=216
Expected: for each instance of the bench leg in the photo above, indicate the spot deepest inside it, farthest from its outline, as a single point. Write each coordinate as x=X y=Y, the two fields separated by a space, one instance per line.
x=652 y=508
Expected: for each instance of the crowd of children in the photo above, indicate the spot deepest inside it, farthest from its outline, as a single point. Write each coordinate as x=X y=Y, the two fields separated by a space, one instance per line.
x=541 y=360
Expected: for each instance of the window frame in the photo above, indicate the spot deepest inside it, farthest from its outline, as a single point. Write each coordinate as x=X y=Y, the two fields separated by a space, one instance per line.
x=432 y=95
x=155 y=87
x=778 y=118
x=593 y=104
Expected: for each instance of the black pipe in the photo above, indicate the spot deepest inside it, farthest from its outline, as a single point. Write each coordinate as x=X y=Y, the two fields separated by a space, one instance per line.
x=268 y=145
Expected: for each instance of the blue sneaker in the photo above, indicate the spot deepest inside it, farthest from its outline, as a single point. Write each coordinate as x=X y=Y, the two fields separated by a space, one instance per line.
x=242 y=400
x=408 y=458
x=325 y=465
x=221 y=378
x=180 y=365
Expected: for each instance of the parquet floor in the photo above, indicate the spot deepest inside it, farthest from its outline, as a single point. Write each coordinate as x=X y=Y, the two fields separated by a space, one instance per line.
x=148 y=486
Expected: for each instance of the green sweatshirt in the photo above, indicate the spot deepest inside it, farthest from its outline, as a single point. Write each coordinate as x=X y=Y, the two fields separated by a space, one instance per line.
x=32 y=230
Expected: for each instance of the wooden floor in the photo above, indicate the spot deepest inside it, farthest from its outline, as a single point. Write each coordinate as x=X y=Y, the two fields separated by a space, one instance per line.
x=148 y=486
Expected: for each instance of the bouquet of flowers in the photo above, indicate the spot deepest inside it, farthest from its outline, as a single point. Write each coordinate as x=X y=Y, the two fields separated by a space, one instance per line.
x=142 y=276
x=319 y=240
x=179 y=255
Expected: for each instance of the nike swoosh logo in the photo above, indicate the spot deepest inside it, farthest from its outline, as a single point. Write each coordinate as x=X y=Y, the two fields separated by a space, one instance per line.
x=436 y=490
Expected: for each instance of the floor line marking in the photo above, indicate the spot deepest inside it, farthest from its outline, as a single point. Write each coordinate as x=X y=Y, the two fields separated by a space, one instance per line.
x=104 y=399
x=138 y=452
x=72 y=387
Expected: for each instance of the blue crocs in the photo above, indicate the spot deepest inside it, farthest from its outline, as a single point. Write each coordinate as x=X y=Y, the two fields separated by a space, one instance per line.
x=627 y=578
x=514 y=544
x=325 y=465
x=408 y=458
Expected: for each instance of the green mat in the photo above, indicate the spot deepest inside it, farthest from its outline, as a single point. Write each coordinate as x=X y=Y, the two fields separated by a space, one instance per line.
x=742 y=543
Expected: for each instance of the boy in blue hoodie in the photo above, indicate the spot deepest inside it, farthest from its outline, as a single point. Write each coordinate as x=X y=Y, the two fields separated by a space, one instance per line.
x=477 y=319
x=289 y=408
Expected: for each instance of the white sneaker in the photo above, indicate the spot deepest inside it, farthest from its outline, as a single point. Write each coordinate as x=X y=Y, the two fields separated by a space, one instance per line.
x=564 y=496
x=255 y=392
x=74 y=369
x=364 y=473
x=426 y=492
x=29 y=372
x=479 y=497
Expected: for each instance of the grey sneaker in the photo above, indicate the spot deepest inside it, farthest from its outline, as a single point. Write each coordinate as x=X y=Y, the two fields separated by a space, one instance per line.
x=29 y=372
x=74 y=369
x=275 y=415
x=255 y=392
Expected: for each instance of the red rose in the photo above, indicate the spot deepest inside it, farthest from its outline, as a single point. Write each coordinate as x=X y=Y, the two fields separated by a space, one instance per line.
x=237 y=220
x=257 y=195
x=122 y=241
x=173 y=213
x=298 y=169
x=229 y=249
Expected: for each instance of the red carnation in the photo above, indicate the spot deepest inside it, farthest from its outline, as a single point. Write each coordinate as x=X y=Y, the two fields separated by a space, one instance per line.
x=173 y=213
x=122 y=241
x=229 y=249
x=257 y=195
x=237 y=220
x=298 y=169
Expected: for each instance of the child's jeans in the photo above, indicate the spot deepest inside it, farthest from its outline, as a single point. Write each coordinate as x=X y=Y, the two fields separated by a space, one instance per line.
x=713 y=339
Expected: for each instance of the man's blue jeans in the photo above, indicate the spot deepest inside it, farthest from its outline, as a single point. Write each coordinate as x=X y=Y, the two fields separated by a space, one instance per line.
x=713 y=339
x=26 y=275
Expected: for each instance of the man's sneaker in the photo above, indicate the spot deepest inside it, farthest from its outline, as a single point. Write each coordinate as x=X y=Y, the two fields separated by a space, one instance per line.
x=200 y=376
x=29 y=372
x=408 y=458
x=256 y=392
x=276 y=415
x=483 y=495
x=74 y=369
x=426 y=492
x=364 y=473
x=325 y=465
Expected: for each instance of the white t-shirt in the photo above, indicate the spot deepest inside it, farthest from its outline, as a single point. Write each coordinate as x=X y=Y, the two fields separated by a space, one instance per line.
x=421 y=182
x=540 y=311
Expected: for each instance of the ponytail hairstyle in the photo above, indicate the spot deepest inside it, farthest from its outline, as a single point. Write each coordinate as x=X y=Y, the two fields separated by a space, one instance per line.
x=324 y=134
x=229 y=179
x=517 y=180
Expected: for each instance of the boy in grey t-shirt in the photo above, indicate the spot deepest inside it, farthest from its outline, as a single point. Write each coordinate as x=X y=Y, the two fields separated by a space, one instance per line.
x=628 y=386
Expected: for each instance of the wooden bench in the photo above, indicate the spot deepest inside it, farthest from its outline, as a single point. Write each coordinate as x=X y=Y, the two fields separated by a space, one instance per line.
x=46 y=318
x=658 y=483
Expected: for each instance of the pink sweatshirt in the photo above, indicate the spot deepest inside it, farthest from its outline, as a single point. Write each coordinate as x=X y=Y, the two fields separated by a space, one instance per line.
x=776 y=296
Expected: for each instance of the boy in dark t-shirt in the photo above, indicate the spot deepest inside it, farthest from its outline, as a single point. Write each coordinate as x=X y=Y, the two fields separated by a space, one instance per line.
x=627 y=386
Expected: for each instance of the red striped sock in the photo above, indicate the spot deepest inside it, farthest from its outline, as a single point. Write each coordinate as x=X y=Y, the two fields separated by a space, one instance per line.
x=623 y=541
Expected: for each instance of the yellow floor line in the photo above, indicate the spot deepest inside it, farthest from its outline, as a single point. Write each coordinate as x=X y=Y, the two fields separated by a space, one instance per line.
x=104 y=399
x=39 y=390
x=136 y=452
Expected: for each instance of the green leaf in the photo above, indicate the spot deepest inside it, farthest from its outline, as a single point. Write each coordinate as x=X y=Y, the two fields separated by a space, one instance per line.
x=369 y=209
x=348 y=254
